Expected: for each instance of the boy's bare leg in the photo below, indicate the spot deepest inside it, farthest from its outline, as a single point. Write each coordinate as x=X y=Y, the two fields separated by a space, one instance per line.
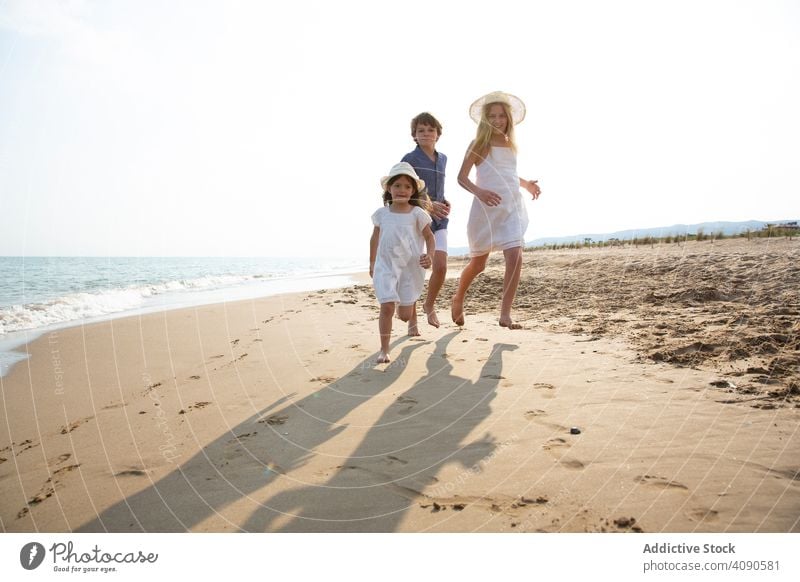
x=385 y=331
x=409 y=313
x=513 y=259
x=438 y=274
x=474 y=268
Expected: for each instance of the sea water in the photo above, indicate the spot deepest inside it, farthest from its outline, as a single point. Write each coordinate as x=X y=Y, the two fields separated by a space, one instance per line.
x=39 y=294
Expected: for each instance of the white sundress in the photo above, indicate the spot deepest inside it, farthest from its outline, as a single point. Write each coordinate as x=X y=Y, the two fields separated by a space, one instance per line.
x=501 y=227
x=397 y=275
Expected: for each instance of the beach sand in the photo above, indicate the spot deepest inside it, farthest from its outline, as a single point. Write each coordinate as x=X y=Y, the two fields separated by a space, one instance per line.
x=677 y=363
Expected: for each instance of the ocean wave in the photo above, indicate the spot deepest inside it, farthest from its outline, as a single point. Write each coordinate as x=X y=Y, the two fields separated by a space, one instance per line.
x=87 y=305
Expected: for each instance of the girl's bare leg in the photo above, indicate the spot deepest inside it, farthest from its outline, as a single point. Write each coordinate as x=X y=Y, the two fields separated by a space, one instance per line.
x=438 y=274
x=474 y=268
x=513 y=259
x=385 y=331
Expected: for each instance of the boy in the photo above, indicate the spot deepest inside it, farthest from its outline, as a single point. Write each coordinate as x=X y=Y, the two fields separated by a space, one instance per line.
x=430 y=166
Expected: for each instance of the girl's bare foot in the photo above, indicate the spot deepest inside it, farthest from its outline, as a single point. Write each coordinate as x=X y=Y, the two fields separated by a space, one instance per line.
x=431 y=313
x=457 y=312
x=413 y=330
x=510 y=324
x=383 y=358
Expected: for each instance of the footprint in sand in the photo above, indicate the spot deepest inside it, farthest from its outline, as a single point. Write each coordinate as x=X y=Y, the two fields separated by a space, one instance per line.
x=659 y=482
x=72 y=426
x=556 y=442
x=547 y=389
x=47 y=490
x=150 y=388
x=406 y=400
x=531 y=414
x=195 y=406
x=241 y=437
x=555 y=446
x=703 y=514
x=131 y=473
x=274 y=420
x=325 y=379
x=59 y=459
x=391 y=459
x=25 y=445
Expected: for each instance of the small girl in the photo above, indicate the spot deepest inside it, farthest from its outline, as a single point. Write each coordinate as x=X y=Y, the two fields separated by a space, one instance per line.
x=498 y=218
x=396 y=261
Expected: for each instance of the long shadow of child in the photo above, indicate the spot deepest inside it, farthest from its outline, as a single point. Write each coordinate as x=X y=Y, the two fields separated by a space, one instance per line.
x=249 y=456
x=401 y=455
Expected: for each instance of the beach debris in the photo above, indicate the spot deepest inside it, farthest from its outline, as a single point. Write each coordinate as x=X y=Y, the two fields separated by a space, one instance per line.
x=574 y=430
x=459 y=506
x=624 y=522
x=274 y=419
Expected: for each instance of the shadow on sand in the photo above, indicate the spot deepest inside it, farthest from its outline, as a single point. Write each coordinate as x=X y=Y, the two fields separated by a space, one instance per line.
x=423 y=430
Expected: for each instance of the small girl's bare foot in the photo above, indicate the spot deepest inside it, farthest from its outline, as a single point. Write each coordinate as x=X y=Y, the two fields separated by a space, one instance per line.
x=432 y=319
x=510 y=324
x=383 y=358
x=413 y=330
x=457 y=312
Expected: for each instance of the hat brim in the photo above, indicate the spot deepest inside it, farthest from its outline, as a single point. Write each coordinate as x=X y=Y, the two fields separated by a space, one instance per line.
x=515 y=103
x=420 y=182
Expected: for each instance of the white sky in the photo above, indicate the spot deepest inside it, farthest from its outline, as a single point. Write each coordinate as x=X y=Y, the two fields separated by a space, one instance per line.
x=262 y=128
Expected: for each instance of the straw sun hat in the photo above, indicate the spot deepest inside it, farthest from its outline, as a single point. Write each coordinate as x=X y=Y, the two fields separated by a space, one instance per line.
x=515 y=103
x=405 y=169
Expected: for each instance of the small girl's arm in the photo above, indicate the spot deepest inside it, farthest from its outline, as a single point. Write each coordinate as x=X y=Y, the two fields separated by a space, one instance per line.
x=373 y=248
x=426 y=260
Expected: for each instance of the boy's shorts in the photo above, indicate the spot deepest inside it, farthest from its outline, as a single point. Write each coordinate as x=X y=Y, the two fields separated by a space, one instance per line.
x=440 y=236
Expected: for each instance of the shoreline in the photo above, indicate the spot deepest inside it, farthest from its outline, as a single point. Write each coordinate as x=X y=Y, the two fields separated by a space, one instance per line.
x=270 y=414
x=11 y=342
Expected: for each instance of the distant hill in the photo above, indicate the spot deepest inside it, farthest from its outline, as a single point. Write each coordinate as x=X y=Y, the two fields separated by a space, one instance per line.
x=727 y=228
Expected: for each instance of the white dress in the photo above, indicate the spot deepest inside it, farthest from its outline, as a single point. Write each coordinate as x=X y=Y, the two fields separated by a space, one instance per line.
x=501 y=227
x=398 y=276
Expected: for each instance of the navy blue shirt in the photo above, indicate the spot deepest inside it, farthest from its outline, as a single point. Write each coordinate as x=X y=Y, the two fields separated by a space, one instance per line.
x=433 y=175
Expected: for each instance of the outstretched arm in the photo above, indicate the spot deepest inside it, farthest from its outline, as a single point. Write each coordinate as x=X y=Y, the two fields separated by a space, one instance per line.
x=373 y=248
x=471 y=158
x=531 y=186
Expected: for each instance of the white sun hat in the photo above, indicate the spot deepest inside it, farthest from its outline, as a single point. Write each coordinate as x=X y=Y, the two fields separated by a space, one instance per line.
x=406 y=169
x=515 y=103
